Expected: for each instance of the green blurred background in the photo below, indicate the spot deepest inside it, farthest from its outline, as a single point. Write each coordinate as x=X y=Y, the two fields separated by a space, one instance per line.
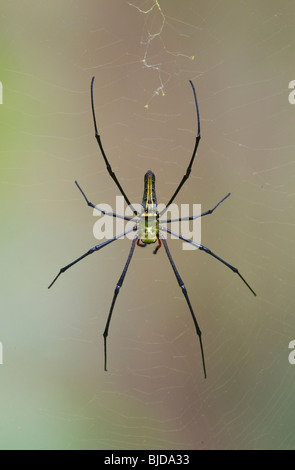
x=54 y=393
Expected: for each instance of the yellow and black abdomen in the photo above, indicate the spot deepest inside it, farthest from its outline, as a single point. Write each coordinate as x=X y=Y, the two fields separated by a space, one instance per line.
x=148 y=226
x=149 y=199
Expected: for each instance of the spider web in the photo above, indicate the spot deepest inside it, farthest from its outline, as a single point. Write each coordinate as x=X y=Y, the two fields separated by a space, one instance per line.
x=143 y=54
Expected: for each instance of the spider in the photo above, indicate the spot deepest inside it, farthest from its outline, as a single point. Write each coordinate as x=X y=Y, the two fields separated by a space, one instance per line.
x=148 y=228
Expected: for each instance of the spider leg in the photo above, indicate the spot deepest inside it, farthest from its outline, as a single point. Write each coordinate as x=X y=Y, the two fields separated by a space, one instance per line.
x=109 y=168
x=118 y=286
x=209 y=252
x=89 y=252
x=113 y=214
x=158 y=246
x=210 y=211
x=184 y=291
x=188 y=171
x=140 y=243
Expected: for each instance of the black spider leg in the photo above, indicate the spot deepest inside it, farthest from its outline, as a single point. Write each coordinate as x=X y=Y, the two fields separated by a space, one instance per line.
x=210 y=211
x=209 y=252
x=118 y=286
x=113 y=214
x=89 y=252
x=109 y=168
x=188 y=171
x=184 y=291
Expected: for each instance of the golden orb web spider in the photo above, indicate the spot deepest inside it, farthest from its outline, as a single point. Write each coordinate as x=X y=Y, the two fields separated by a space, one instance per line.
x=148 y=228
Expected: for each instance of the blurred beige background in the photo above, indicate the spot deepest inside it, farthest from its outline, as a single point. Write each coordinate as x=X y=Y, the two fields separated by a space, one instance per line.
x=54 y=392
